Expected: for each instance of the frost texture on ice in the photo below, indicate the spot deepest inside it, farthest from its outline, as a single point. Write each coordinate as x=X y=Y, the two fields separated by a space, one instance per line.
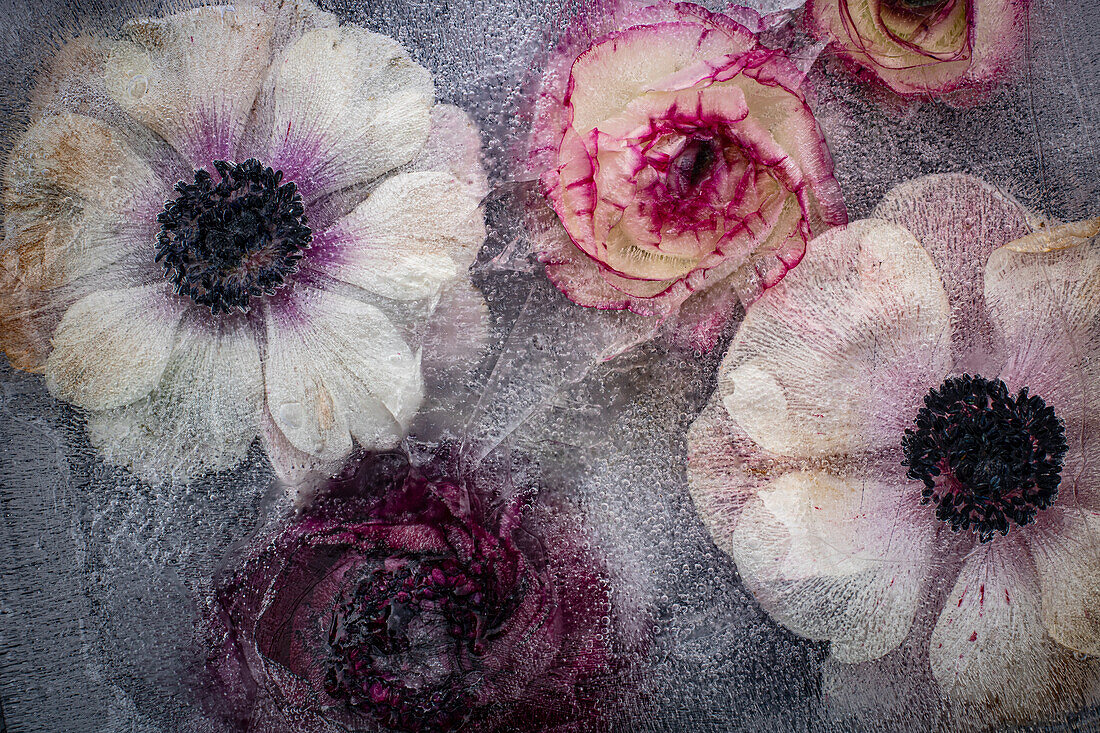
x=102 y=578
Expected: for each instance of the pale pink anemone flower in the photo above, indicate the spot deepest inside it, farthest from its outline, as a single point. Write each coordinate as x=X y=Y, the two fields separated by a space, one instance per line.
x=925 y=47
x=291 y=286
x=858 y=476
x=681 y=156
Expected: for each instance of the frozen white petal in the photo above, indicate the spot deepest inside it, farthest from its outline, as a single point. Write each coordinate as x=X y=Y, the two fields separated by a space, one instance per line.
x=337 y=367
x=990 y=652
x=414 y=233
x=193 y=76
x=203 y=416
x=453 y=146
x=76 y=200
x=835 y=558
x=301 y=472
x=960 y=220
x=112 y=346
x=345 y=106
x=838 y=356
x=1065 y=544
x=1045 y=304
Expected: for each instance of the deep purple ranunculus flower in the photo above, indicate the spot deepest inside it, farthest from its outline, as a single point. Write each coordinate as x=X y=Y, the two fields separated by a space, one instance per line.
x=398 y=601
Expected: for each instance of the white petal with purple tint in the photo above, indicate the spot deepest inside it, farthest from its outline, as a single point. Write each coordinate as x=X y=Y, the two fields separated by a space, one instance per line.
x=193 y=76
x=336 y=368
x=345 y=106
x=413 y=234
x=838 y=356
x=1046 y=307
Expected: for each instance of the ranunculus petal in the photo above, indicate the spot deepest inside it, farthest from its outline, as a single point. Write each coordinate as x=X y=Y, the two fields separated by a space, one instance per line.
x=966 y=47
x=1065 y=544
x=858 y=34
x=193 y=76
x=203 y=416
x=1046 y=307
x=839 y=355
x=413 y=234
x=960 y=220
x=624 y=66
x=112 y=346
x=345 y=106
x=336 y=368
x=990 y=652
x=834 y=558
x=998 y=38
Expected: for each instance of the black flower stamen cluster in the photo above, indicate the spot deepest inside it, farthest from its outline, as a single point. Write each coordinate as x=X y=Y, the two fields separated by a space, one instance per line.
x=223 y=243
x=914 y=4
x=988 y=459
x=433 y=604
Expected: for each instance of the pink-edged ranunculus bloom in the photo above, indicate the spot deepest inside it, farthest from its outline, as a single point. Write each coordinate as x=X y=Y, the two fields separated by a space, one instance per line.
x=402 y=602
x=238 y=221
x=910 y=418
x=921 y=47
x=680 y=156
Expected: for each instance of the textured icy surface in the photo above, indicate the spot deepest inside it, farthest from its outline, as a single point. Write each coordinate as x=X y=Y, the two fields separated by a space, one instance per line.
x=102 y=578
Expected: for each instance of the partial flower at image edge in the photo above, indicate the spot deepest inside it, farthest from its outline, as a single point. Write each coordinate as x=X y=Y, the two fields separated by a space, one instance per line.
x=839 y=461
x=683 y=162
x=499 y=616
x=953 y=50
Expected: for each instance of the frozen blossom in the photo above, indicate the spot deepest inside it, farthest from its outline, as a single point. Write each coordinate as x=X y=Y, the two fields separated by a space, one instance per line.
x=402 y=598
x=914 y=407
x=319 y=207
x=823 y=534
x=683 y=160
x=925 y=47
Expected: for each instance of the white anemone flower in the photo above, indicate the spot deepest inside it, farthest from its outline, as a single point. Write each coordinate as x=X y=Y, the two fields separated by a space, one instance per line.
x=235 y=222
x=903 y=448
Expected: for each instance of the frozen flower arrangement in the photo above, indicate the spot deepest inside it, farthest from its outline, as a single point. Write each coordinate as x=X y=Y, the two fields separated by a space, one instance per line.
x=238 y=221
x=924 y=47
x=914 y=408
x=400 y=600
x=682 y=160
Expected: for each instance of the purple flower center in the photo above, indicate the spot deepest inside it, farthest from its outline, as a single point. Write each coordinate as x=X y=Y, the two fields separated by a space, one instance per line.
x=221 y=244
x=986 y=458
x=918 y=5
x=403 y=644
x=692 y=166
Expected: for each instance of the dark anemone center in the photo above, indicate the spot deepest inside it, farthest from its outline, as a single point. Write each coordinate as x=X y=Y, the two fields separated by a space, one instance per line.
x=692 y=166
x=987 y=459
x=401 y=645
x=915 y=5
x=221 y=244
